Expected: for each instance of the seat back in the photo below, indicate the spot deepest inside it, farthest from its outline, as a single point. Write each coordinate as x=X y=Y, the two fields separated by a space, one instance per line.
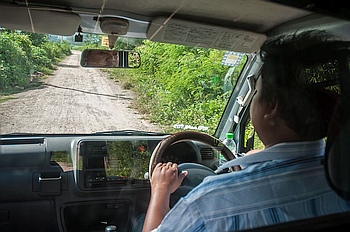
x=337 y=157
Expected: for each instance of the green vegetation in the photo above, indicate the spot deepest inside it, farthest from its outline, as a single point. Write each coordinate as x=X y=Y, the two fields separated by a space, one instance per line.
x=94 y=41
x=5 y=98
x=175 y=84
x=25 y=55
x=249 y=132
x=179 y=85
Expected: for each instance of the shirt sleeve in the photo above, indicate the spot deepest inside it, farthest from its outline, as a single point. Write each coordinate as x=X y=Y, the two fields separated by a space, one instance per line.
x=184 y=216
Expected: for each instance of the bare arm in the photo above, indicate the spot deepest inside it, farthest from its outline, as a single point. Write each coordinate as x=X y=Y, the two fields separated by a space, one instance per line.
x=164 y=181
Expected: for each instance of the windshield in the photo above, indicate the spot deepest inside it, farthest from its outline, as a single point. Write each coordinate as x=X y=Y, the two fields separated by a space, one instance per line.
x=44 y=89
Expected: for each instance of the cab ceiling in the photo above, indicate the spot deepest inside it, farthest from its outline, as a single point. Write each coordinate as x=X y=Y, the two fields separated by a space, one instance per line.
x=252 y=15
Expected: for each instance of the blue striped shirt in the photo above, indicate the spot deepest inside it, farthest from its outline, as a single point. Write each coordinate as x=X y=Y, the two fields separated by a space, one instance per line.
x=289 y=187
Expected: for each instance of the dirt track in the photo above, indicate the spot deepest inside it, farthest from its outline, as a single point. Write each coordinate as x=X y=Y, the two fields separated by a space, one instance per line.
x=72 y=100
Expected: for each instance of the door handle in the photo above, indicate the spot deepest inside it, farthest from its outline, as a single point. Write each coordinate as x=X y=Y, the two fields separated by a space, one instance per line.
x=49 y=178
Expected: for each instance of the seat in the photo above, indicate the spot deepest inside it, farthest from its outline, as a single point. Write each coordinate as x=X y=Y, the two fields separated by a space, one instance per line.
x=337 y=157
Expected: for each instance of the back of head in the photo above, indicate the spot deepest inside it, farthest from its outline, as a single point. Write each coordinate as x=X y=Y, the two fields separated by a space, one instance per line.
x=303 y=105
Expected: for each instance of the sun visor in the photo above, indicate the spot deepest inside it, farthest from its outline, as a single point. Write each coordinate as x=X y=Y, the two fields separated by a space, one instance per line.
x=197 y=34
x=38 y=20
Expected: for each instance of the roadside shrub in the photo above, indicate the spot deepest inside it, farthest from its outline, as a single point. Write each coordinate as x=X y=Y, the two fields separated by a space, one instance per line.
x=20 y=57
x=65 y=48
x=24 y=42
x=55 y=51
x=179 y=85
x=40 y=60
x=14 y=65
x=51 y=52
x=187 y=84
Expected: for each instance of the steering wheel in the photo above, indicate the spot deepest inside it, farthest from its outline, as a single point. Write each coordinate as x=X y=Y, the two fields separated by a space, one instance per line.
x=196 y=172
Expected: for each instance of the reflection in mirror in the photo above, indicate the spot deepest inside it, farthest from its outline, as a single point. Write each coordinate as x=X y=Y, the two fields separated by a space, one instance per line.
x=101 y=58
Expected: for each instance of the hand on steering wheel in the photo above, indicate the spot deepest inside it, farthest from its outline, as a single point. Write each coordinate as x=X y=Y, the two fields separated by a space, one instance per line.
x=167 y=177
x=196 y=172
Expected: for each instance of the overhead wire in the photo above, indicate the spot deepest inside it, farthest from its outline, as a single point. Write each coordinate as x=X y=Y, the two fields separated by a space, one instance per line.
x=30 y=17
x=168 y=19
x=100 y=13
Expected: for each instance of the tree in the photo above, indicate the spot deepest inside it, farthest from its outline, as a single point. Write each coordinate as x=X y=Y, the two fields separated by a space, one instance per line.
x=37 y=39
x=124 y=43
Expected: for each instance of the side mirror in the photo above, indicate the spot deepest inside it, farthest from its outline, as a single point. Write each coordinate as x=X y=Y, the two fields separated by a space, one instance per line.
x=100 y=58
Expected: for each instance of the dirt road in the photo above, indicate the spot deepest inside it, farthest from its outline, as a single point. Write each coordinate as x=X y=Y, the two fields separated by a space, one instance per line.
x=72 y=100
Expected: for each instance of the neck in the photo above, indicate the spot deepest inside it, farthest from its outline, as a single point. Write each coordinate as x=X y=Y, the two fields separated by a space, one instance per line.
x=281 y=133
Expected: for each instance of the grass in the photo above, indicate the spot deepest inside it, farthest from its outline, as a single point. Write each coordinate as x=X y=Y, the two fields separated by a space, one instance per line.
x=5 y=98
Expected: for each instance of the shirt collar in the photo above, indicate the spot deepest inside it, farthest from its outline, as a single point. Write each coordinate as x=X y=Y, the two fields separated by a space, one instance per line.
x=281 y=151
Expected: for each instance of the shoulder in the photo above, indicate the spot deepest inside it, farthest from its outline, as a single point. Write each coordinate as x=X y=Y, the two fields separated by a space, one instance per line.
x=253 y=175
x=217 y=184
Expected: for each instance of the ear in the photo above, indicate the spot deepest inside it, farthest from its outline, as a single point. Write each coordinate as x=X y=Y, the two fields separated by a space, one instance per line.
x=271 y=110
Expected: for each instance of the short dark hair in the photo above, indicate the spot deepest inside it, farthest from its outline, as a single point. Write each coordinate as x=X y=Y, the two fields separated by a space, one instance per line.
x=284 y=81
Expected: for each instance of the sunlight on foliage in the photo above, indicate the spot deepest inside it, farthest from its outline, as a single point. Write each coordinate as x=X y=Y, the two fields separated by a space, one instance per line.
x=179 y=85
x=24 y=54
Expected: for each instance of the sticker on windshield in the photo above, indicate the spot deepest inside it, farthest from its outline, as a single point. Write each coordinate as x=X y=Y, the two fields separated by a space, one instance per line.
x=231 y=58
x=189 y=127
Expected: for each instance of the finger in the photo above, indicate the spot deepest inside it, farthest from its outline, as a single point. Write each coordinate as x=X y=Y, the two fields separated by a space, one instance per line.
x=182 y=175
x=169 y=164
x=175 y=169
x=159 y=164
x=173 y=165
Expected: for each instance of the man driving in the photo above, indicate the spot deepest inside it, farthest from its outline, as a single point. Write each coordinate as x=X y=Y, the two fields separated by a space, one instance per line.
x=285 y=181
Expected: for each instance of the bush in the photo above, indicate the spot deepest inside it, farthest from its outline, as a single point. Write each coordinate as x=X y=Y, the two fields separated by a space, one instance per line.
x=65 y=48
x=40 y=60
x=20 y=57
x=14 y=65
x=179 y=85
x=52 y=52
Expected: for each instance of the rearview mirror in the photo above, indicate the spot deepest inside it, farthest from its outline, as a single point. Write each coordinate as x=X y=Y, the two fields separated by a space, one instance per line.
x=101 y=58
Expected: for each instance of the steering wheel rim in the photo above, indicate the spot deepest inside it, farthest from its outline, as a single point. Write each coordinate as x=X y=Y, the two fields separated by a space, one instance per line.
x=196 y=172
x=158 y=152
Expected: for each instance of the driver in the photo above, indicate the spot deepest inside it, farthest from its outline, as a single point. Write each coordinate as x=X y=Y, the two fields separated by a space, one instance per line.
x=100 y=58
x=282 y=183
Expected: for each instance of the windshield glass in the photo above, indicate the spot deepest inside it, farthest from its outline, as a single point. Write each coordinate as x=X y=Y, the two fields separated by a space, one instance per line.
x=44 y=89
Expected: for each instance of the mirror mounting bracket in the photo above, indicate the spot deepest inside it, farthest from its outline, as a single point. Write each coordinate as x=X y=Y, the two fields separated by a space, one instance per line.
x=111 y=41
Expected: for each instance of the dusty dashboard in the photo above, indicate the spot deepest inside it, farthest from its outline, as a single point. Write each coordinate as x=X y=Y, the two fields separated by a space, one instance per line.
x=102 y=164
x=82 y=181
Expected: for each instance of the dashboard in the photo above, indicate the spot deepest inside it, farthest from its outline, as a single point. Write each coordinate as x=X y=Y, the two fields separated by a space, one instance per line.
x=82 y=182
x=104 y=164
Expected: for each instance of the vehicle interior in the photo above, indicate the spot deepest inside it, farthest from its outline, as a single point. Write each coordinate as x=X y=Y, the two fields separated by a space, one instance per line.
x=79 y=182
